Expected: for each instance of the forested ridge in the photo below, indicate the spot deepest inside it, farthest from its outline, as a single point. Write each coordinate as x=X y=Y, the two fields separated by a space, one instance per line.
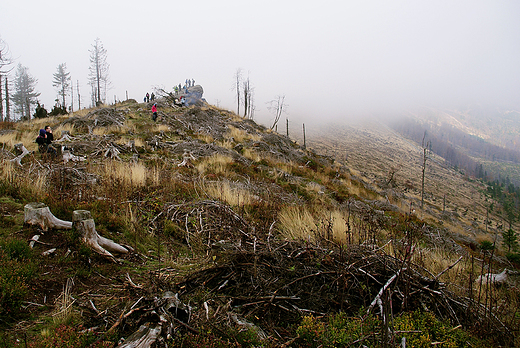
x=461 y=150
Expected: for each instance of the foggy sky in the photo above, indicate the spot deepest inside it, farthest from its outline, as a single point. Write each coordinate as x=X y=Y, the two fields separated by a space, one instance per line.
x=331 y=59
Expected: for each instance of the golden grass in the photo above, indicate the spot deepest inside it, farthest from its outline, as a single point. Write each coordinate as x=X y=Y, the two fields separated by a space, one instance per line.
x=297 y=223
x=7 y=171
x=63 y=308
x=226 y=192
x=216 y=164
x=133 y=174
x=207 y=138
x=252 y=155
x=108 y=130
x=9 y=139
x=65 y=127
x=157 y=128
x=240 y=135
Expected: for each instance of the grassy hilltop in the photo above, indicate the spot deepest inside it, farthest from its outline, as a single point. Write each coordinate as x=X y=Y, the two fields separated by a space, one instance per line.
x=262 y=241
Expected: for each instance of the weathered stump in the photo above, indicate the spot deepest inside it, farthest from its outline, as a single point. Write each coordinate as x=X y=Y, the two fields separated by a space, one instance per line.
x=39 y=214
x=19 y=148
x=82 y=221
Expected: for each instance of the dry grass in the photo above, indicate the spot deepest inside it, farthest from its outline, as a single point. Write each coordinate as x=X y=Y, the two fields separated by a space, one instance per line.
x=127 y=173
x=109 y=130
x=63 y=308
x=216 y=164
x=252 y=155
x=229 y=193
x=206 y=138
x=240 y=135
x=297 y=223
x=9 y=139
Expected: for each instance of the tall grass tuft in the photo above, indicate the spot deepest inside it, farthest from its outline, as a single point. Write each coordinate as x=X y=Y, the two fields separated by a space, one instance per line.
x=229 y=193
x=297 y=223
x=216 y=164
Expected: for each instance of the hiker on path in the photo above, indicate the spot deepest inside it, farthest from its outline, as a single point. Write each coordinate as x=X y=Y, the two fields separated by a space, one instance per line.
x=154 y=111
x=152 y=97
x=147 y=97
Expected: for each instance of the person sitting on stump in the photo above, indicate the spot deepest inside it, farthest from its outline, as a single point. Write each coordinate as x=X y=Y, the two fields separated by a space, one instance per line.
x=44 y=141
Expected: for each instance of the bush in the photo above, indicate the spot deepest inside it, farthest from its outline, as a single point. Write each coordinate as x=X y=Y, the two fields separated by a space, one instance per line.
x=16 y=271
x=514 y=258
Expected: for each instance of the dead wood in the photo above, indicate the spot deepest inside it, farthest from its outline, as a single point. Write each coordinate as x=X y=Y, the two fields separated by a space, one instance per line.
x=39 y=214
x=24 y=152
x=82 y=221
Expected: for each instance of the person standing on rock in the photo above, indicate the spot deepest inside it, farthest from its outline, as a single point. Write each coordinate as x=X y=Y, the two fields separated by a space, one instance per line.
x=154 y=111
x=147 y=97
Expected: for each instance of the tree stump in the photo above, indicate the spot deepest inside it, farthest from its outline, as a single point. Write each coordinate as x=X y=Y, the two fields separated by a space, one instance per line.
x=82 y=221
x=39 y=214
x=19 y=148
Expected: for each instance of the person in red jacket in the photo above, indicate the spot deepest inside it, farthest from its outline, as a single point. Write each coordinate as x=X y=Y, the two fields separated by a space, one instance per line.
x=154 y=111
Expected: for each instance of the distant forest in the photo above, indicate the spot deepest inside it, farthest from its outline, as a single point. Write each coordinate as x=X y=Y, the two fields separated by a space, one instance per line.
x=457 y=147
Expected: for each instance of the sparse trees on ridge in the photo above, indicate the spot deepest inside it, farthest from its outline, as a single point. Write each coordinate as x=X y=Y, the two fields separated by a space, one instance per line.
x=62 y=82
x=25 y=92
x=98 y=72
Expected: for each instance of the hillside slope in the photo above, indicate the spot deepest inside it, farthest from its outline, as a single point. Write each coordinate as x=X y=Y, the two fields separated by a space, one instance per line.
x=238 y=234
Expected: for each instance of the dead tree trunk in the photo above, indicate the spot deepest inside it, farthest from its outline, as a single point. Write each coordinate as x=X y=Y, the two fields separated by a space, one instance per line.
x=39 y=214
x=82 y=221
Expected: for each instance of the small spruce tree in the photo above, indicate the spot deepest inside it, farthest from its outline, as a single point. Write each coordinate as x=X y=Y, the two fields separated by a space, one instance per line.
x=510 y=240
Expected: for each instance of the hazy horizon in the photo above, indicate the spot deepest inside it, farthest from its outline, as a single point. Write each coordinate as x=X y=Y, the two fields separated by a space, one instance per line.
x=332 y=61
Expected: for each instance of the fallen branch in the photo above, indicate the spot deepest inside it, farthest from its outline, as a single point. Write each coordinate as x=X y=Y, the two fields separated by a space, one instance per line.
x=377 y=299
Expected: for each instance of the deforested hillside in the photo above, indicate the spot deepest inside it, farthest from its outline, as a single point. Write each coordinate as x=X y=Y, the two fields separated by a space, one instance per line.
x=234 y=235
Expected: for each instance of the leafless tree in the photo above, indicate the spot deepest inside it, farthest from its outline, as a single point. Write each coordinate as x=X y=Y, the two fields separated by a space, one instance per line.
x=277 y=107
x=248 y=99
x=236 y=87
x=79 y=96
x=425 y=158
x=5 y=61
x=7 y=103
x=98 y=72
x=62 y=82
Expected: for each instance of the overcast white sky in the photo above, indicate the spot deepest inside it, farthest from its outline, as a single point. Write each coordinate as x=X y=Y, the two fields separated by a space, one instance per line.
x=331 y=58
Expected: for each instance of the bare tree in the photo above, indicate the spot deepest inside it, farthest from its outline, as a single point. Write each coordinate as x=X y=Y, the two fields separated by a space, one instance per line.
x=248 y=99
x=7 y=104
x=236 y=87
x=25 y=92
x=62 y=82
x=5 y=60
x=79 y=96
x=425 y=157
x=277 y=107
x=98 y=72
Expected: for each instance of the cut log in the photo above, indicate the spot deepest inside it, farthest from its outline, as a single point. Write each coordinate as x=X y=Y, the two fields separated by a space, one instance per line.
x=39 y=214
x=82 y=221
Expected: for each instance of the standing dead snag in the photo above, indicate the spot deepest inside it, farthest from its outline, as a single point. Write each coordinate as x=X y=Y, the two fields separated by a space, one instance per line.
x=39 y=214
x=82 y=221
